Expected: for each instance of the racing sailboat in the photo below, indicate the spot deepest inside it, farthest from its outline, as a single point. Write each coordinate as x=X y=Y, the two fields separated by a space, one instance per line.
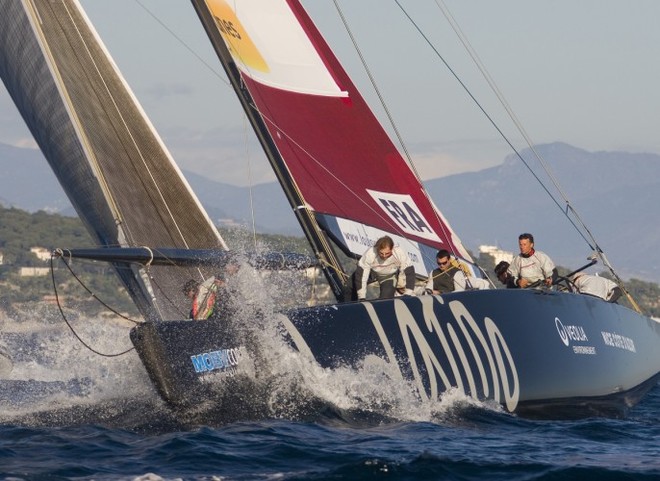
x=536 y=352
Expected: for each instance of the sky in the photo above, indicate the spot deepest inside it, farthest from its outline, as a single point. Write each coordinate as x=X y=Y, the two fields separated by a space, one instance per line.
x=585 y=73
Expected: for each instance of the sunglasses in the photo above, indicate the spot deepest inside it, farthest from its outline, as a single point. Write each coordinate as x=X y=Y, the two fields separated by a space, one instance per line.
x=440 y=263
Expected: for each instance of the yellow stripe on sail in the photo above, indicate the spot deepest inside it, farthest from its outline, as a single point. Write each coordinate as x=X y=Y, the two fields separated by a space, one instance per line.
x=240 y=44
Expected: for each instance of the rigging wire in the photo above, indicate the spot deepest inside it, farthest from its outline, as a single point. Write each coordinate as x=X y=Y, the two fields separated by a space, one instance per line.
x=250 y=183
x=375 y=87
x=516 y=121
x=183 y=43
x=227 y=84
x=582 y=228
x=478 y=104
x=519 y=126
x=399 y=137
x=66 y=320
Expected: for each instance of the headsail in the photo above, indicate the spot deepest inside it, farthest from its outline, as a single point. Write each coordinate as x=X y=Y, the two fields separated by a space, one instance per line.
x=341 y=166
x=107 y=156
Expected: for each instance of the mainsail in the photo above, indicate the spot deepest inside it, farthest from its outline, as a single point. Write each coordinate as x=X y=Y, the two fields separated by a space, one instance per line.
x=327 y=147
x=112 y=164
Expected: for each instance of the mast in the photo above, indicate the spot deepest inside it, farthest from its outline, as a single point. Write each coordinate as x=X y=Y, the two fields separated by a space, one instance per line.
x=318 y=240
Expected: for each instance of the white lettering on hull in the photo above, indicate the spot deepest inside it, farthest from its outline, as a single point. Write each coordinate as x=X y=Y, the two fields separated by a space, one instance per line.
x=617 y=340
x=568 y=333
x=497 y=369
x=494 y=347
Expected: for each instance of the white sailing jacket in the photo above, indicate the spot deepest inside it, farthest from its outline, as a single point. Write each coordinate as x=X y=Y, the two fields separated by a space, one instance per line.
x=534 y=268
x=594 y=286
x=371 y=261
x=465 y=283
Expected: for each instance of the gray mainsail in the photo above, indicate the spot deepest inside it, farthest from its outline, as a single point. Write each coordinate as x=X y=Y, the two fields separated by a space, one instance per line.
x=105 y=153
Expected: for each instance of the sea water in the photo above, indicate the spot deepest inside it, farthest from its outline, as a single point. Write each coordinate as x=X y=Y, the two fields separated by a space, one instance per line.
x=467 y=443
x=70 y=410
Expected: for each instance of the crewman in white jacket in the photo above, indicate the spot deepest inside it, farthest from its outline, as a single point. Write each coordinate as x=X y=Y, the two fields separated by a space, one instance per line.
x=596 y=286
x=531 y=267
x=385 y=261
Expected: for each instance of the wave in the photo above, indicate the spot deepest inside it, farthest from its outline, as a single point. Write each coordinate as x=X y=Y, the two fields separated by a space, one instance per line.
x=48 y=377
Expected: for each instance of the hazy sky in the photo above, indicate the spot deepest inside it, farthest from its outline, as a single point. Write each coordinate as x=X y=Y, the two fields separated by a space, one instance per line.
x=582 y=72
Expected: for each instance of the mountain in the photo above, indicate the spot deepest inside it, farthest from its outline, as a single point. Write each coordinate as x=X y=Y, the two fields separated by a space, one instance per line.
x=615 y=193
x=27 y=182
x=226 y=203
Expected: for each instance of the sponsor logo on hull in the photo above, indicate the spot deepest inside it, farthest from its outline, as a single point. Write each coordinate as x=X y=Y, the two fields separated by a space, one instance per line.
x=227 y=362
x=570 y=333
x=613 y=339
x=485 y=367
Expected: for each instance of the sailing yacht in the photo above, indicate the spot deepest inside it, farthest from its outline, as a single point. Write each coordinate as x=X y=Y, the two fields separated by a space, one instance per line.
x=534 y=351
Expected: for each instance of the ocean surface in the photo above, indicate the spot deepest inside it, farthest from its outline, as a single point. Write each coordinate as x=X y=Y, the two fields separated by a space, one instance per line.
x=466 y=443
x=69 y=413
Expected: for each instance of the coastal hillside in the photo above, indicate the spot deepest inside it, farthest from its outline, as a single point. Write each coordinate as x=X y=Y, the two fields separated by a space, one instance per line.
x=25 y=276
x=615 y=193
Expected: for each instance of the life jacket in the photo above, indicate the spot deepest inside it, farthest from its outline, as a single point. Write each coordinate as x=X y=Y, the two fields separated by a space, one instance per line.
x=204 y=302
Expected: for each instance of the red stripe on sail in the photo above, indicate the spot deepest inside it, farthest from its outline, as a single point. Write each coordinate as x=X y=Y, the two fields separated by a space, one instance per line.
x=336 y=150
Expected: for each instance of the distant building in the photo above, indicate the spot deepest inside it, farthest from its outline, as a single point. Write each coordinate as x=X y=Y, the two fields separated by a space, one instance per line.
x=52 y=299
x=2 y=258
x=498 y=254
x=229 y=223
x=41 y=252
x=33 y=271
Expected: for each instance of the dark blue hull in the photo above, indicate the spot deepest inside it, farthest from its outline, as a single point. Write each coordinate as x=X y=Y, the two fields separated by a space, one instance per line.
x=537 y=353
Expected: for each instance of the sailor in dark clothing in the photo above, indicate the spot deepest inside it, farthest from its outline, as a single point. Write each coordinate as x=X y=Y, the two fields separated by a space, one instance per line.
x=503 y=275
x=441 y=280
x=227 y=297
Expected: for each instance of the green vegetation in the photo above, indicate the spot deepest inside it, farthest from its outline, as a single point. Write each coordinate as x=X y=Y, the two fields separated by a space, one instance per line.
x=20 y=231
x=646 y=294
